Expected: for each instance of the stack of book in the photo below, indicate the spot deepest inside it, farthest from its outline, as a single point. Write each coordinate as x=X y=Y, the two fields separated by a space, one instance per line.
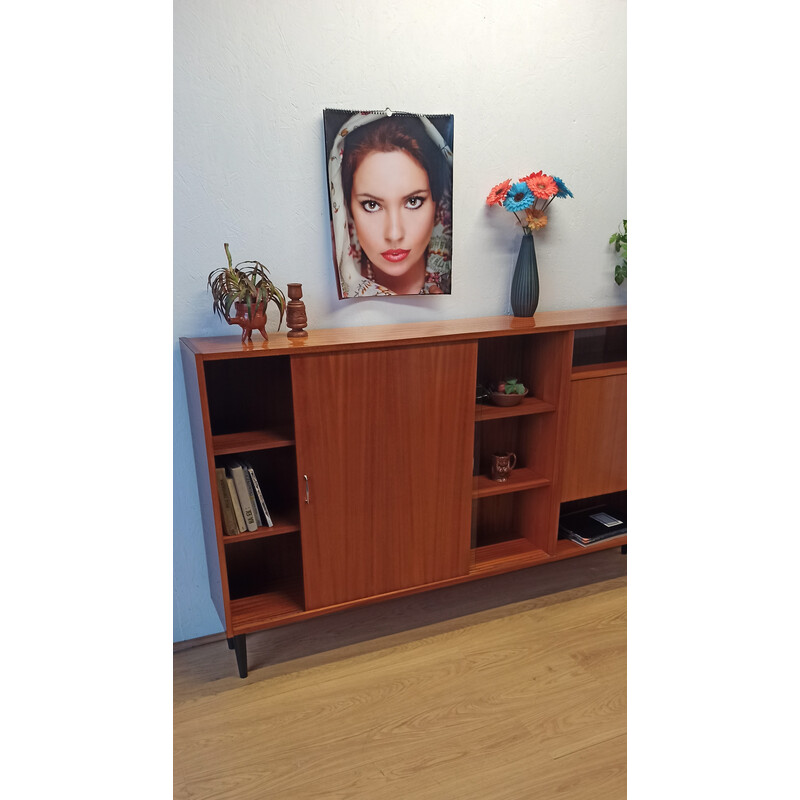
x=592 y=525
x=241 y=499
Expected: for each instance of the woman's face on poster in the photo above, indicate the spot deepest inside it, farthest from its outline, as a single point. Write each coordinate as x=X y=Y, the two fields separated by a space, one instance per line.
x=393 y=212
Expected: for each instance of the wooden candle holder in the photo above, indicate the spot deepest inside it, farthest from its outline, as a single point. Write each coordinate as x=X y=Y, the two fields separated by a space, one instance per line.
x=296 y=318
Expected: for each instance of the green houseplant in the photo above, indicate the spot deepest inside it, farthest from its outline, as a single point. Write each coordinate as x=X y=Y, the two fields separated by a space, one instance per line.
x=511 y=386
x=620 y=242
x=249 y=290
x=508 y=392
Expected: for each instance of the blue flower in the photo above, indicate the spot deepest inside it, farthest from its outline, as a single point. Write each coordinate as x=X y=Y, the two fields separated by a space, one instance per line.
x=519 y=197
x=562 y=189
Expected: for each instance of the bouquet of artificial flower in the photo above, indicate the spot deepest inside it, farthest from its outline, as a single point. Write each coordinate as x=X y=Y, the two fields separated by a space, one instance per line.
x=531 y=195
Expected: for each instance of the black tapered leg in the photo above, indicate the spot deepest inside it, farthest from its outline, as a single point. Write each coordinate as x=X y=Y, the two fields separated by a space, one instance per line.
x=230 y=644
x=240 y=646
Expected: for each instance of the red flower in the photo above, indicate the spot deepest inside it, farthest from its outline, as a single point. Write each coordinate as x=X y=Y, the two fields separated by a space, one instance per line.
x=498 y=194
x=542 y=186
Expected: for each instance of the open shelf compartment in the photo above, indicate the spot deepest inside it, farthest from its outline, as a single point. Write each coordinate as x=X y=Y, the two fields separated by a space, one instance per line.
x=265 y=580
x=517 y=516
x=511 y=554
x=595 y=346
x=275 y=471
x=577 y=516
x=249 y=403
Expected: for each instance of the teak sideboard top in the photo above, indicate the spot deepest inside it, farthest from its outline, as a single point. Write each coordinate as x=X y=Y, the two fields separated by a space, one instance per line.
x=333 y=339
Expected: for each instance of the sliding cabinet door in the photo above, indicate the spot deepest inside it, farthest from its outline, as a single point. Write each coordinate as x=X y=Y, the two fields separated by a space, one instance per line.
x=595 y=459
x=384 y=448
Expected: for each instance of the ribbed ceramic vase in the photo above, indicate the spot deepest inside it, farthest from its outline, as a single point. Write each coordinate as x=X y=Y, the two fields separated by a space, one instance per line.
x=525 y=283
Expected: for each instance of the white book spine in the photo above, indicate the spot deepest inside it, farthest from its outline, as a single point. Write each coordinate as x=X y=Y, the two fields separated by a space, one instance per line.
x=252 y=495
x=263 y=503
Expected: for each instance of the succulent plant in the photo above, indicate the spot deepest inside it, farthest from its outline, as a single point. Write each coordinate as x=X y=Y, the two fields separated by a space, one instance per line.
x=511 y=386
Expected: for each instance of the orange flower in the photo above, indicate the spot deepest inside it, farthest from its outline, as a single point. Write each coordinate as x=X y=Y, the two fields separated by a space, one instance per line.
x=536 y=219
x=542 y=186
x=498 y=194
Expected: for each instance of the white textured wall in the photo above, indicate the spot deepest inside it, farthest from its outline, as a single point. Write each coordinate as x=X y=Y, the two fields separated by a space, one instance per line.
x=533 y=85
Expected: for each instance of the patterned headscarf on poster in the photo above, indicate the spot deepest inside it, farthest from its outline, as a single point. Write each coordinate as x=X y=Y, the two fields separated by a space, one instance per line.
x=347 y=250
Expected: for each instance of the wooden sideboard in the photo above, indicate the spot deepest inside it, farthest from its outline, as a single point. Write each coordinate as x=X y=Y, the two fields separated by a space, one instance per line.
x=374 y=456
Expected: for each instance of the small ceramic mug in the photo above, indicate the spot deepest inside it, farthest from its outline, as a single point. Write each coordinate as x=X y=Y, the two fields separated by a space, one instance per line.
x=502 y=464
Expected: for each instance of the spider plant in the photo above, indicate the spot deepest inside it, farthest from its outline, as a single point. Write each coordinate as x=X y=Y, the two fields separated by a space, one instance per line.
x=250 y=285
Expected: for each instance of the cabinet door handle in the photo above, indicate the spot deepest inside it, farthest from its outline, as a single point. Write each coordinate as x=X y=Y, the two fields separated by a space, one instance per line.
x=307 y=494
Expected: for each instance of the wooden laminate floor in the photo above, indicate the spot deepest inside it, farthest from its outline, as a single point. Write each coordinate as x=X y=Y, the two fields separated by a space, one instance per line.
x=503 y=689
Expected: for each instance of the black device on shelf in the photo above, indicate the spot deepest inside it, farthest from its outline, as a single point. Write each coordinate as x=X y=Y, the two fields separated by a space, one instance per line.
x=592 y=525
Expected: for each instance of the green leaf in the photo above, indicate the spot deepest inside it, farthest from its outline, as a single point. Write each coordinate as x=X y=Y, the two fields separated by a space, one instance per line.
x=247 y=282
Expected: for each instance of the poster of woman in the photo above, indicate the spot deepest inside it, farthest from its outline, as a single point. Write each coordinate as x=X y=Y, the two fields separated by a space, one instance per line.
x=390 y=184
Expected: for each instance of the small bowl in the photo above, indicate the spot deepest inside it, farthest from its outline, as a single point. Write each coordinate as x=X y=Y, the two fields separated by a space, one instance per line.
x=503 y=399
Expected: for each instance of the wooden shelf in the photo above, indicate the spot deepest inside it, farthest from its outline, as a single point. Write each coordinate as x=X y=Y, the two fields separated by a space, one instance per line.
x=247 y=441
x=251 y=613
x=599 y=370
x=281 y=526
x=505 y=555
x=529 y=405
x=568 y=547
x=518 y=481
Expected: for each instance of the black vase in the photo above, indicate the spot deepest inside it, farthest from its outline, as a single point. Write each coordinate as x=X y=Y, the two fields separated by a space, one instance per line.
x=525 y=283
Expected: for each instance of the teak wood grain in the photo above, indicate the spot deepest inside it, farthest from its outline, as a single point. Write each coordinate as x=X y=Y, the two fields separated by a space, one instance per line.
x=370 y=336
x=383 y=421
x=384 y=437
x=595 y=456
x=542 y=363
